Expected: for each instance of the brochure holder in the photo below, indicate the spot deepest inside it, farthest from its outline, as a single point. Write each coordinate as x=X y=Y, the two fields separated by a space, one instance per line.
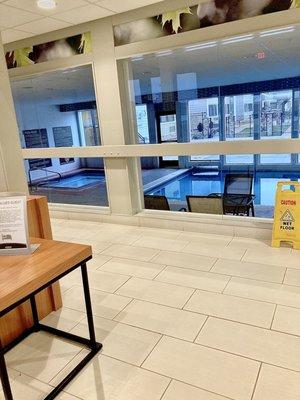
x=14 y=237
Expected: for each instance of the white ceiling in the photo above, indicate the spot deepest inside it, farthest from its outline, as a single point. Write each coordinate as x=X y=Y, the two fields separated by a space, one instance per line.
x=20 y=19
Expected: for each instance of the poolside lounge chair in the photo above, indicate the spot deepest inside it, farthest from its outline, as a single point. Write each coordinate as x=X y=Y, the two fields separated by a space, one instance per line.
x=237 y=197
x=205 y=204
x=158 y=203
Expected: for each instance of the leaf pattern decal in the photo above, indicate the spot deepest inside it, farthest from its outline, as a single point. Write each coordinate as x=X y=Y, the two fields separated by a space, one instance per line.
x=86 y=43
x=21 y=57
x=174 y=18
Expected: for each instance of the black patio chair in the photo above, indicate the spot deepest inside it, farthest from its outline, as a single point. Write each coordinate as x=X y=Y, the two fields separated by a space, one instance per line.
x=158 y=203
x=205 y=204
x=238 y=198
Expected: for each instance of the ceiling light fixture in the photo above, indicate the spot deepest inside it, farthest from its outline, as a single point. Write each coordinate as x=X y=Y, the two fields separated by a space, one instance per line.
x=164 y=53
x=46 y=4
x=278 y=31
x=237 y=39
x=137 y=59
x=201 y=46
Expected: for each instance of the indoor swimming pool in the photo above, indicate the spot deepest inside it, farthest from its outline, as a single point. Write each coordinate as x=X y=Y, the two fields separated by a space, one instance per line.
x=89 y=187
x=206 y=183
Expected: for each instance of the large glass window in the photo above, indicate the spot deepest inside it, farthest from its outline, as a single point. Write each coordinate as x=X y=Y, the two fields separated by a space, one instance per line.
x=57 y=109
x=241 y=89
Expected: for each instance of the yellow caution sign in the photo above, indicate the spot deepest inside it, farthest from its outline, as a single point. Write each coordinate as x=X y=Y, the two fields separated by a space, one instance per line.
x=287 y=215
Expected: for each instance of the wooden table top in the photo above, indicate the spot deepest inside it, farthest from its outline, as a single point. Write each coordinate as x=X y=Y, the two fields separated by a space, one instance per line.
x=22 y=275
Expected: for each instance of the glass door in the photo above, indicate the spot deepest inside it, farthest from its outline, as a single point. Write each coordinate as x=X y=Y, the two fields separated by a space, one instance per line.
x=167 y=133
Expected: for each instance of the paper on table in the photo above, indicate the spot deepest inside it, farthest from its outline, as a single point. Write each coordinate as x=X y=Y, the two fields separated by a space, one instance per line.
x=13 y=225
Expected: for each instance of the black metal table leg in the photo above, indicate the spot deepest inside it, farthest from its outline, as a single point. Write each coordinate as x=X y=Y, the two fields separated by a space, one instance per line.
x=4 y=378
x=90 y=343
x=34 y=311
x=88 y=305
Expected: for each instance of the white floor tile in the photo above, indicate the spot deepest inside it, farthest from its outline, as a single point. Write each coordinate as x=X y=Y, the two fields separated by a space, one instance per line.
x=27 y=388
x=264 y=291
x=268 y=273
x=202 y=238
x=161 y=243
x=97 y=261
x=256 y=343
x=287 y=319
x=185 y=260
x=292 y=277
x=293 y=260
x=98 y=279
x=41 y=356
x=105 y=281
x=277 y=384
x=126 y=343
x=168 y=321
x=156 y=292
x=64 y=319
x=104 y=304
x=139 y=269
x=208 y=369
x=247 y=243
x=214 y=251
x=181 y=391
x=130 y=252
x=270 y=256
x=110 y=379
x=193 y=279
x=232 y=308
x=153 y=232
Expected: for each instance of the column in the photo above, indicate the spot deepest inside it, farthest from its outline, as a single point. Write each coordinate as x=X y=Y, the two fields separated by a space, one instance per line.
x=12 y=173
x=123 y=175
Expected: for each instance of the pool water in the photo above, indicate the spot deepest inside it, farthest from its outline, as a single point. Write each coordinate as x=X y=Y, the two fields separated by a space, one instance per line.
x=265 y=184
x=78 y=181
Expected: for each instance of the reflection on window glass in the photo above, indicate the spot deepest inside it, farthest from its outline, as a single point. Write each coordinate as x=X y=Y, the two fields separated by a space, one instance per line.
x=276 y=114
x=142 y=123
x=57 y=109
x=68 y=180
x=239 y=159
x=203 y=123
x=239 y=117
x=168 y=128
x=89 y=128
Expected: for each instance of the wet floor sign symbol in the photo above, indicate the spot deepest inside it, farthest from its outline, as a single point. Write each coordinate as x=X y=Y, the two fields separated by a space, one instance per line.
x=287 y=215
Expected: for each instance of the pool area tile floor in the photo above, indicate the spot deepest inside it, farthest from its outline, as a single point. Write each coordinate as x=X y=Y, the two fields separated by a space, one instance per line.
x=178 y=320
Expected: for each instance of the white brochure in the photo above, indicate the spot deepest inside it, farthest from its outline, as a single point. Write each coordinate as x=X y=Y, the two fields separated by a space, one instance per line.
x=14 y=238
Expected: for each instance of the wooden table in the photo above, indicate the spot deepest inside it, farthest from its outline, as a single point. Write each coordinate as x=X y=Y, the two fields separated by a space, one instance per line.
x=24 y=277
x=13 y=324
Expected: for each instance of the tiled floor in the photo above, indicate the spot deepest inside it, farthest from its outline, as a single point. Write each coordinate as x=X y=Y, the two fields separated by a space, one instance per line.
x=182 y=316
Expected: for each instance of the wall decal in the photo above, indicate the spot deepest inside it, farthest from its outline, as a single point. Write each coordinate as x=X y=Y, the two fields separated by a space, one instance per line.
x=63 y=48
x=212 y=13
